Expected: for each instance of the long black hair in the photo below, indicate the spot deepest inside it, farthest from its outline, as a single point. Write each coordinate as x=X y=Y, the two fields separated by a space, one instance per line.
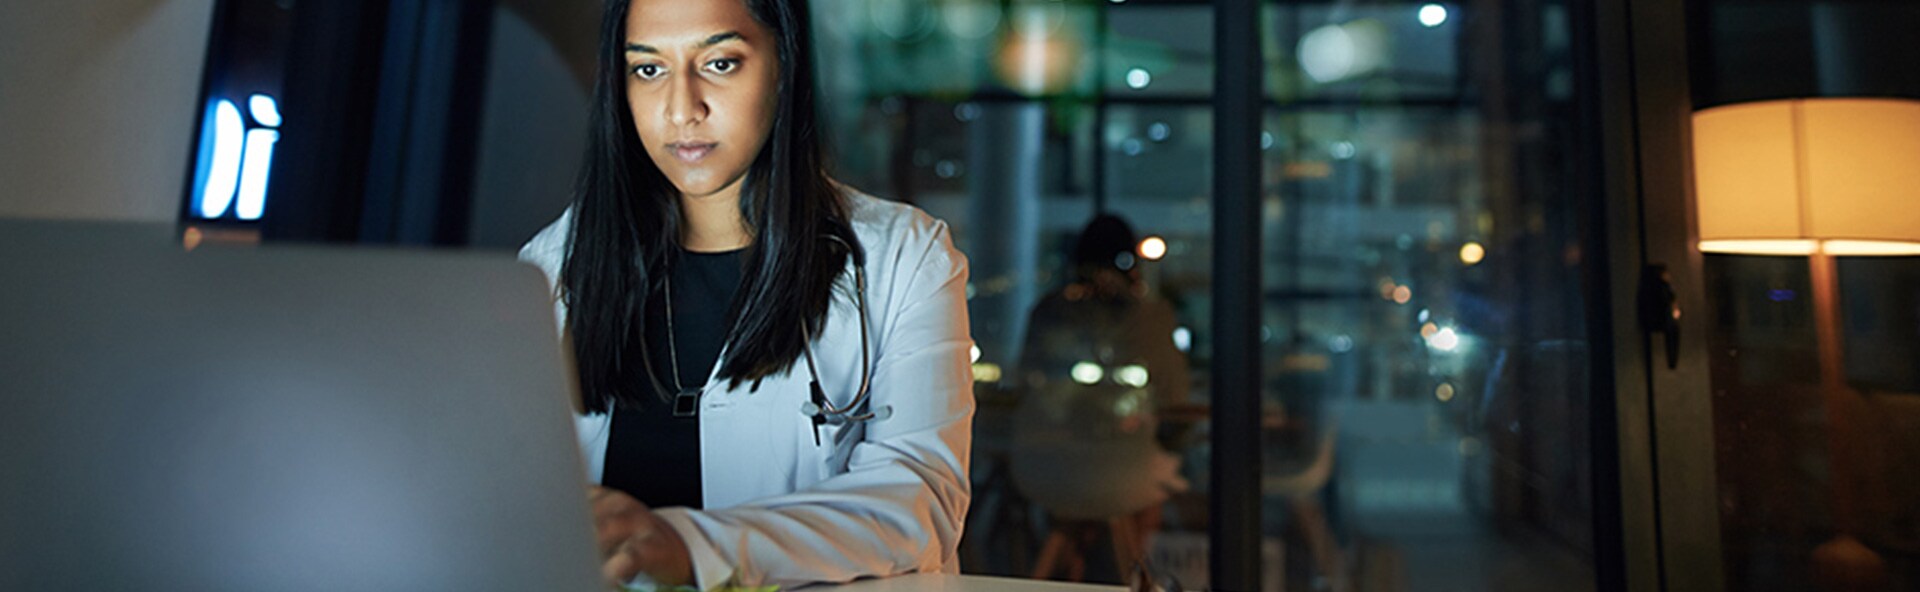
x=627 y=221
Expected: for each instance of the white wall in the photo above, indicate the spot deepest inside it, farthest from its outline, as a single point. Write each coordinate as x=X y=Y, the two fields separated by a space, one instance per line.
x=97 y=105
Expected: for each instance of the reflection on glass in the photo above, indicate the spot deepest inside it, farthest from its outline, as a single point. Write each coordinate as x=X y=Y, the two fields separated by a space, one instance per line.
x=1771 y=422
x=1426 y=405
x=1428 y=347
x=1097 y=367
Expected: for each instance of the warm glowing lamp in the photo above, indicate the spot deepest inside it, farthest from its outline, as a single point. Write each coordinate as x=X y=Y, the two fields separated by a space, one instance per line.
x=1795 y=177
x=1819 y=178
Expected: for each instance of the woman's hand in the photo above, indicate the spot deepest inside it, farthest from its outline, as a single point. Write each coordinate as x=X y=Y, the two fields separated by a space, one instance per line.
x=633 y=540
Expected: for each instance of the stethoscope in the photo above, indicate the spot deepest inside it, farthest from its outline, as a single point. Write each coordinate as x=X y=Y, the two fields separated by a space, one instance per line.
x=821 y=410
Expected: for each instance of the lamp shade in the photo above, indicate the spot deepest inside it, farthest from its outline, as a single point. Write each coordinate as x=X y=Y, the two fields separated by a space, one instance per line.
x=1800 y=176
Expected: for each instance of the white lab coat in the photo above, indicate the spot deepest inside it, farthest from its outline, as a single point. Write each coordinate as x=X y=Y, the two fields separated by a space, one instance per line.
x=876 y=498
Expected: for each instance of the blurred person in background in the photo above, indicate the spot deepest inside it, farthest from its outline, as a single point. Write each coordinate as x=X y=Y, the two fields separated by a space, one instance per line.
x=1098 y=362
x=1108 y=316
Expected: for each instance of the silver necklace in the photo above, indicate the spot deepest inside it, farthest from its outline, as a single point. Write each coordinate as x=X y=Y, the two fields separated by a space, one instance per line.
x=686 y=401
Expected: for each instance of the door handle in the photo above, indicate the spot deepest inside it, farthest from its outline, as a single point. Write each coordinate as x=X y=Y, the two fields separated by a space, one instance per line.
x=1660 y=308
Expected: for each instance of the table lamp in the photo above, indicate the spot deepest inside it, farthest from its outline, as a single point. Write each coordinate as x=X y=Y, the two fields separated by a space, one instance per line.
x=1819 y=178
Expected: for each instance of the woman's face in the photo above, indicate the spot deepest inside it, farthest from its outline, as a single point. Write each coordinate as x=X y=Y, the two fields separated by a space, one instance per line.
x=702 y=78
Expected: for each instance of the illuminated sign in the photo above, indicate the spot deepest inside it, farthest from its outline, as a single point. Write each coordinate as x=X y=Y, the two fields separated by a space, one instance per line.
x=236 y=158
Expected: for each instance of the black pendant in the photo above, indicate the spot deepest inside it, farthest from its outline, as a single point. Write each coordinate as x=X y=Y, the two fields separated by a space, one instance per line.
x=687 y=403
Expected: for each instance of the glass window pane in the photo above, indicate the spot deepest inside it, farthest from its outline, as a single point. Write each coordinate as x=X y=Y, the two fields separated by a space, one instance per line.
x=1387 y=52
x=1159 y=51
x=1393 y=459
x=1772 y=417
x=1425 y=351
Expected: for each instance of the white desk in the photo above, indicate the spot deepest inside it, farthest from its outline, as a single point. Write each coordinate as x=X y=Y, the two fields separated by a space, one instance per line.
x=952 y=583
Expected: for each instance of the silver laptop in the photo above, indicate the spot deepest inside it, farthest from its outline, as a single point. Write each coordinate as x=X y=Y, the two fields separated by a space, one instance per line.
x=280 y=418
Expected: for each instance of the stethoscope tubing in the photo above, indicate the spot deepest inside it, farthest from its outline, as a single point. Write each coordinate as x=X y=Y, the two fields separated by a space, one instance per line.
x=825 y=407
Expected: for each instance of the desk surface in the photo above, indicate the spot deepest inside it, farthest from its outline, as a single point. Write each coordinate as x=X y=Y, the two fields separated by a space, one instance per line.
x=953 y=583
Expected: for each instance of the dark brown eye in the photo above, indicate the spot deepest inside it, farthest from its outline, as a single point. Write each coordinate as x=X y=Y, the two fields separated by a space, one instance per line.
x=648 y=71
x=723 y=66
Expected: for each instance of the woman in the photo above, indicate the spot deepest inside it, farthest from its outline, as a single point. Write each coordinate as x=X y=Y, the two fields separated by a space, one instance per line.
x=706 y=273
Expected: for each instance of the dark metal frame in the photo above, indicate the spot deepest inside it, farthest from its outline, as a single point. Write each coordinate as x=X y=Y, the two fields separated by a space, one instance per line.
x=1598 y=77
x=1234 y=537
x=1660 y=531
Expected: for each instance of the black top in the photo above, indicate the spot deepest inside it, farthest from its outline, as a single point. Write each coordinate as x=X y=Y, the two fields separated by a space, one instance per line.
x=652 y=455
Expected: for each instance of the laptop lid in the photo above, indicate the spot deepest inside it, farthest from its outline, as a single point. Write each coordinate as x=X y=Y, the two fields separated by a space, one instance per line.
x=280 y=418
